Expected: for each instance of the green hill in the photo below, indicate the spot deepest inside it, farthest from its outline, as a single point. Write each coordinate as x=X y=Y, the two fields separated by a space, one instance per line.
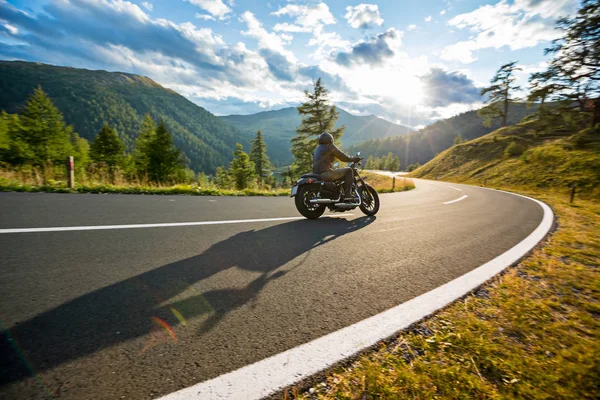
x=423 y=145
x=523 y=156
x=89 y=98
x=279 y=127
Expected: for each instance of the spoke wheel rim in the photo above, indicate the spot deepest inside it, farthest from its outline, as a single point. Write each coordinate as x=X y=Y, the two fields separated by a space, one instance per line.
x=367 y=199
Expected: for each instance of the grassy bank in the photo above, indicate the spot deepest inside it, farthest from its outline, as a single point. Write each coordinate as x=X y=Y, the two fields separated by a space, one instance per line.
x=533 y=332
x=11 y=182
x=385 y=184
x=522 y=157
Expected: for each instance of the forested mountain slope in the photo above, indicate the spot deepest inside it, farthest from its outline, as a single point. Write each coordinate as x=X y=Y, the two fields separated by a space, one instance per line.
x=89 y=98
x=279 y=127
x=423 y=145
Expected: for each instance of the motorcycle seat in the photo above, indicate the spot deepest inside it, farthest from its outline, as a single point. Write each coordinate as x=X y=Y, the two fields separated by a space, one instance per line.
x=315 y=176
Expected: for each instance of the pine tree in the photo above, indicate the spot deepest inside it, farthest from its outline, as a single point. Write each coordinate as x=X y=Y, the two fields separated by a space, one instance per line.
x=222 y=178
x=81 y=150
x=499 y=94
x=107 y=148
x=395 y=164
x=43 y=135
x=164 y=159
x=369 y=164
x=242 y=170
x=318 y=116
x=458 y=139
x=142 y=145
x=573 y=76
x=4 y=131
x=258 y=155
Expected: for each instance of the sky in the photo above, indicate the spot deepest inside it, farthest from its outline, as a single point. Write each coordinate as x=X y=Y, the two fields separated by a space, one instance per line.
x=410 y=62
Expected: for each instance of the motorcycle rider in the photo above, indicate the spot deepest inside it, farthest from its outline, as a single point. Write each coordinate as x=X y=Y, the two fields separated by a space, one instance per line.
x=323 y=158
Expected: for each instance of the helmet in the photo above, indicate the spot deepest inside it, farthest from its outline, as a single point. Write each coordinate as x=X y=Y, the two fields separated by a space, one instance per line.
x=325 y=138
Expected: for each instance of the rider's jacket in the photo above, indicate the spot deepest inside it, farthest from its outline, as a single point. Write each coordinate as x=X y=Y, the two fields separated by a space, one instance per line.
x=324 y=156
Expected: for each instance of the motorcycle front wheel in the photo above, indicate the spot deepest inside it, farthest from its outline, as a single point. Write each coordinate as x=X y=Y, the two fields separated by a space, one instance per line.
x=369 y=200
x=304 y=207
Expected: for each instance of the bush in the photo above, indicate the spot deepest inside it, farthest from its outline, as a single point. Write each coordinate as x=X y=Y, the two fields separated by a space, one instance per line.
x=514 y=149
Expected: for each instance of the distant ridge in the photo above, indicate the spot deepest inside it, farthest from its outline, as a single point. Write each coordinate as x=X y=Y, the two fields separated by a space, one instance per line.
x=88 y=98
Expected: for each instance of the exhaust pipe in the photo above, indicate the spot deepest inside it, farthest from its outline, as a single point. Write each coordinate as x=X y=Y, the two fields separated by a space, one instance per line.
x=324 y=201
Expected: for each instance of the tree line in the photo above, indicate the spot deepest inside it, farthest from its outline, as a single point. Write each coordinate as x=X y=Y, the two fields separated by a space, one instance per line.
x=38 y=138
x=571 y=82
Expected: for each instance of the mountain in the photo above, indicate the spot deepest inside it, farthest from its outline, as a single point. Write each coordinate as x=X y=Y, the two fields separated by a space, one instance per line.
x=89 y=98
x=423 y=145
x=525 y=156
x=279 y=127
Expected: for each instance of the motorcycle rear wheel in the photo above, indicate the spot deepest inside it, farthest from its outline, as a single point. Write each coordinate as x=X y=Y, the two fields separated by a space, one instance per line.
x=310 y=211
x=369 y=204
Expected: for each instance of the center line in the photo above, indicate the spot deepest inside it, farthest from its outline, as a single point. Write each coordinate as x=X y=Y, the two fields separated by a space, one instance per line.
x=455 y=200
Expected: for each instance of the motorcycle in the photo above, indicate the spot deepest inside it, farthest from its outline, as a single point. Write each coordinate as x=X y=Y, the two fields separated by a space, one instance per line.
x=313 y=193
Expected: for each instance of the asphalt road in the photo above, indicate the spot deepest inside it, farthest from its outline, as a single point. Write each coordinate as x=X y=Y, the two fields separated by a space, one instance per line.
x=138 y=313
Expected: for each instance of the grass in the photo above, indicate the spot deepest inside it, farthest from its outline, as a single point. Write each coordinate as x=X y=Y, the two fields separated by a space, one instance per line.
x=11 y=181
x=383 y=183
x=532 y=332
x=522 y=157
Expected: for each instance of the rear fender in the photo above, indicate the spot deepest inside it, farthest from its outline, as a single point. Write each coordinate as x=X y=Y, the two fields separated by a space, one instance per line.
x=306 y=181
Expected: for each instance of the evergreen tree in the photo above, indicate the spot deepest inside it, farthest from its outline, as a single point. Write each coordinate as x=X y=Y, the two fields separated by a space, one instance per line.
x=242 y=170
x=5 y=125
x=222 y=178
x=107 y=148
x=458 y=139
x=573 y=76
x=141 y=150
x=369 y=164
x=81 y=150
x=395 y=164
x=499 y=94
x=258 y=155
x=164 y=159
x=318 y=116
x=43 y=135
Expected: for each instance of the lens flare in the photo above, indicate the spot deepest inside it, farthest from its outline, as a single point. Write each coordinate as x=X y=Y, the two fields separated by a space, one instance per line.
x=179 y=316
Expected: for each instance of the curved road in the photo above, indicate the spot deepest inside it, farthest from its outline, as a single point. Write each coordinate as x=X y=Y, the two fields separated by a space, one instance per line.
x=142 y=312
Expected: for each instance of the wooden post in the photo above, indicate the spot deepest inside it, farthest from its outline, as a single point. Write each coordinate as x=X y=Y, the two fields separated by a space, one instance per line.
x=572 y=193
x=393 y=183
x=70 y=172
x=485 y=182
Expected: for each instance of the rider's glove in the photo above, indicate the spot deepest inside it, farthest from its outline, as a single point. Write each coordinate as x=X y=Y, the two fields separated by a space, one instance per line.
x=356 y=159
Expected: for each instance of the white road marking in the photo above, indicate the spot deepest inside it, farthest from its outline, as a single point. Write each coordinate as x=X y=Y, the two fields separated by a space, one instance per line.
x=267 y=376
x=139 y=226
x=452 y=187
x=455 y=200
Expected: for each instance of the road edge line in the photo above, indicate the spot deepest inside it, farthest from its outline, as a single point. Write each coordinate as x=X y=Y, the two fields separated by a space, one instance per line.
x=272 y=374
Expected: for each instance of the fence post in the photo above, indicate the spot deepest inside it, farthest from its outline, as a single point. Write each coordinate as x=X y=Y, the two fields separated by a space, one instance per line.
x=70 y=172
x=485 y=182
x=572 y=193
x=393 y=183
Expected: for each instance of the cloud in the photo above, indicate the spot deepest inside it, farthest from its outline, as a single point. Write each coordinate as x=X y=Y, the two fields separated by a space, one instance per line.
x=373 y=51
x=148 y=6
x=307 y=18
x=205 y=17
x=442 y=12
x=412 y=27
x=523 y=24
x=363 y=16
x=216 y=8
x=428 y=18
x=266 y=40
x=444 y=88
